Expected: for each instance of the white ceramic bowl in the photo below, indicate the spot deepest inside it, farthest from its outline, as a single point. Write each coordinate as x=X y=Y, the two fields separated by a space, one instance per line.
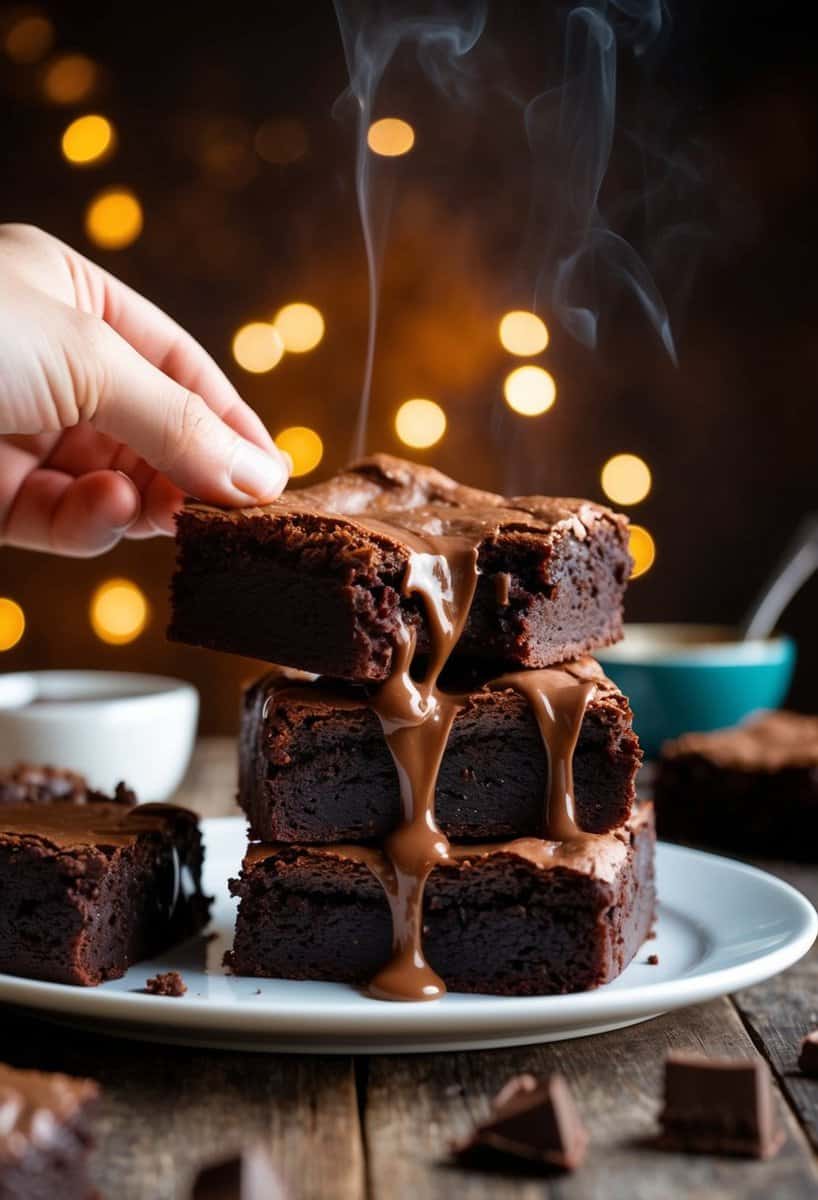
x=108 y=725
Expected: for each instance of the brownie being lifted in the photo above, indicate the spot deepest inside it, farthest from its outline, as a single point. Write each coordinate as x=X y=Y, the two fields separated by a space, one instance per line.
x=86 y=890
x=314 y=765
x=751 y=789
x=315 y=579
x=524 y=917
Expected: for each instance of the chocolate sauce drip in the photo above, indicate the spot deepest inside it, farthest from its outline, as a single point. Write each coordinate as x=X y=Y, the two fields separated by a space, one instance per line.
x=416 y=718
x=558 y=702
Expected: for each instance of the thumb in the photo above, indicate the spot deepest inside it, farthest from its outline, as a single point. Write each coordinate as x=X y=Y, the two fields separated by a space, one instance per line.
x=173 y=428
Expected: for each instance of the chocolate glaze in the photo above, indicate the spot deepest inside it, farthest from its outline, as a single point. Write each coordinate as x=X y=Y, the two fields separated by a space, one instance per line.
x=416 y=717
x=67 y=826
x=558 y=702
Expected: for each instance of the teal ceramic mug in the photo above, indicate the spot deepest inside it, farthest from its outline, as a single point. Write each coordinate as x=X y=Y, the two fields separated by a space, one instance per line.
x=680 y=678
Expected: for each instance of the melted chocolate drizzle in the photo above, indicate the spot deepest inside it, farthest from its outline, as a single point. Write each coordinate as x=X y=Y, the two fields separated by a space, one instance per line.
x=416 y=718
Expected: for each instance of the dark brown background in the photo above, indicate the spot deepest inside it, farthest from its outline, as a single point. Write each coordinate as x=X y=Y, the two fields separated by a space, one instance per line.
x=730 y=435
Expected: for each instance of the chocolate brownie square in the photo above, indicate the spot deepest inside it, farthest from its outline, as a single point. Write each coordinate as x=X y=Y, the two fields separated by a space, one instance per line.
x=751 y=789
x=86 y=890
x=45 y=1135
x=314 y=765
x=317 y=579
x=524 y=917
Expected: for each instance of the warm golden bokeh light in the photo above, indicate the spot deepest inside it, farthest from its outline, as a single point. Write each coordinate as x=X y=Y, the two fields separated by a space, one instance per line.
x=300 y=327
x=12 y=623
x=89 y=139
x=643 y=550
x=304 y=447
x=390 y=137
x=257 y=347
x=626 y=479
x=281 y=141
x=119 y=611
x=420 y=423
x=114 y=219
x=29 y=39
x=530 y=391
x=523 y=333
x=70 y=79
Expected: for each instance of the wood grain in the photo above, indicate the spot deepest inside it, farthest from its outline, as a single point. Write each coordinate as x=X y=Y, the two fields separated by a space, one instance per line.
x=416 y=1106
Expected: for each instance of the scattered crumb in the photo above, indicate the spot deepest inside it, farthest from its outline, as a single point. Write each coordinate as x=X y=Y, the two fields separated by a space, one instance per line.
x=651 y=936
x=653 y=960
x=258 y=991
x=211 y=937
x=168 y=984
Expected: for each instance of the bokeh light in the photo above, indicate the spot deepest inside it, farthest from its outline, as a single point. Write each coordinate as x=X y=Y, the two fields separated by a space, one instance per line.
x=88 y=140
x=12 y=623
x=390 y=137
x=281 y=141
x=70 y=78
x=420 y=423
x=119 y=611
x=530 y=390
x=523 y=333
x=257 y=347
x=29 y=39
x=300 y=326
x=304 y=447
x=114 y=219
x=626 y=479
x=643 y=550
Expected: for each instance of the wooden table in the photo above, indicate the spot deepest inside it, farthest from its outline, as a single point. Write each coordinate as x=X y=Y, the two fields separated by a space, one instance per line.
x=342 y=1127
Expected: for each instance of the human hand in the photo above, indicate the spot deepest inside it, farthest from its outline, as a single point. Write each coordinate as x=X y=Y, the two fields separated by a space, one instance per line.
x=109 y=411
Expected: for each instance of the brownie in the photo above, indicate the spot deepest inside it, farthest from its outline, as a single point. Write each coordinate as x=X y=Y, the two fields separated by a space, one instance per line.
x=524 y=917
x=25 y=783
x=45 y=1135
x=315 y=767
x=751 y=789
x=86 y=890
x=316 y=579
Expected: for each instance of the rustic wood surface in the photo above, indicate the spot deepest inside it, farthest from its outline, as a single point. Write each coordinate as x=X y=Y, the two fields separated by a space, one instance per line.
x=383 y=1126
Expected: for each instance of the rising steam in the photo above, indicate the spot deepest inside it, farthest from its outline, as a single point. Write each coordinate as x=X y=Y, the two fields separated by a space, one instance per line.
x=580 y=260
x=371 y=34
x=570 y=130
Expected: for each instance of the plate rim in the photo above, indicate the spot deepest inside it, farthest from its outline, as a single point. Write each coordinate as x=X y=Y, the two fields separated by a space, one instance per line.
x=479 y=1018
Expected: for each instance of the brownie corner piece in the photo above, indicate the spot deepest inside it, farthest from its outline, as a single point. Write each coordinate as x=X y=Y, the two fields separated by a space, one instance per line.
x=87 y=890
x=45 y=1134
x=315 y=579
x=502 y=918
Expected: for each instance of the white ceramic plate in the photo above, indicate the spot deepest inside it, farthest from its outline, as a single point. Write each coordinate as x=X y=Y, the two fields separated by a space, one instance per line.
x=722 y=926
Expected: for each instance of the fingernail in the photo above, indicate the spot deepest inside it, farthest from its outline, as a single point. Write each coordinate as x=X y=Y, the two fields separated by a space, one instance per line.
x=260 y=476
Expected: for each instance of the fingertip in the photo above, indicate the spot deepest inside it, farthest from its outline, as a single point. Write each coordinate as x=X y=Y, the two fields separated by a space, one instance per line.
x=93 y=513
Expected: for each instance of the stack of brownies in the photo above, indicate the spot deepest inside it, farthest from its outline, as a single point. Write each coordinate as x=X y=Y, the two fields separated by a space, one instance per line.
x=448 y=800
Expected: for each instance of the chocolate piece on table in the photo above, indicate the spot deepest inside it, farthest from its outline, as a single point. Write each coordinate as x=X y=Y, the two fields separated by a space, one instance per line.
x=317 y=579
x=303 y=745
x=86 y=890
x=526 y=917
x=167 y=983
x=249 y=1175
x=808 y=1056
x=45 y=1135
x=719 y=1106
x=751 y=789
x=534 y=1121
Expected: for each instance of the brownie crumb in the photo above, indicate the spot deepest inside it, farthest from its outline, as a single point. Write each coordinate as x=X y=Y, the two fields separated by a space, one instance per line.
x=170 y=983
x=653 y=960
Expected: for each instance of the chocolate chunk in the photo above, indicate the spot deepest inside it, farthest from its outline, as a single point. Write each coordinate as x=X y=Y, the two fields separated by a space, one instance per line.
x=45 y=1134
x=533 y=1120
x=246 y=1176
x=719 y=1106
x=808 y=1058
x=168 y=983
